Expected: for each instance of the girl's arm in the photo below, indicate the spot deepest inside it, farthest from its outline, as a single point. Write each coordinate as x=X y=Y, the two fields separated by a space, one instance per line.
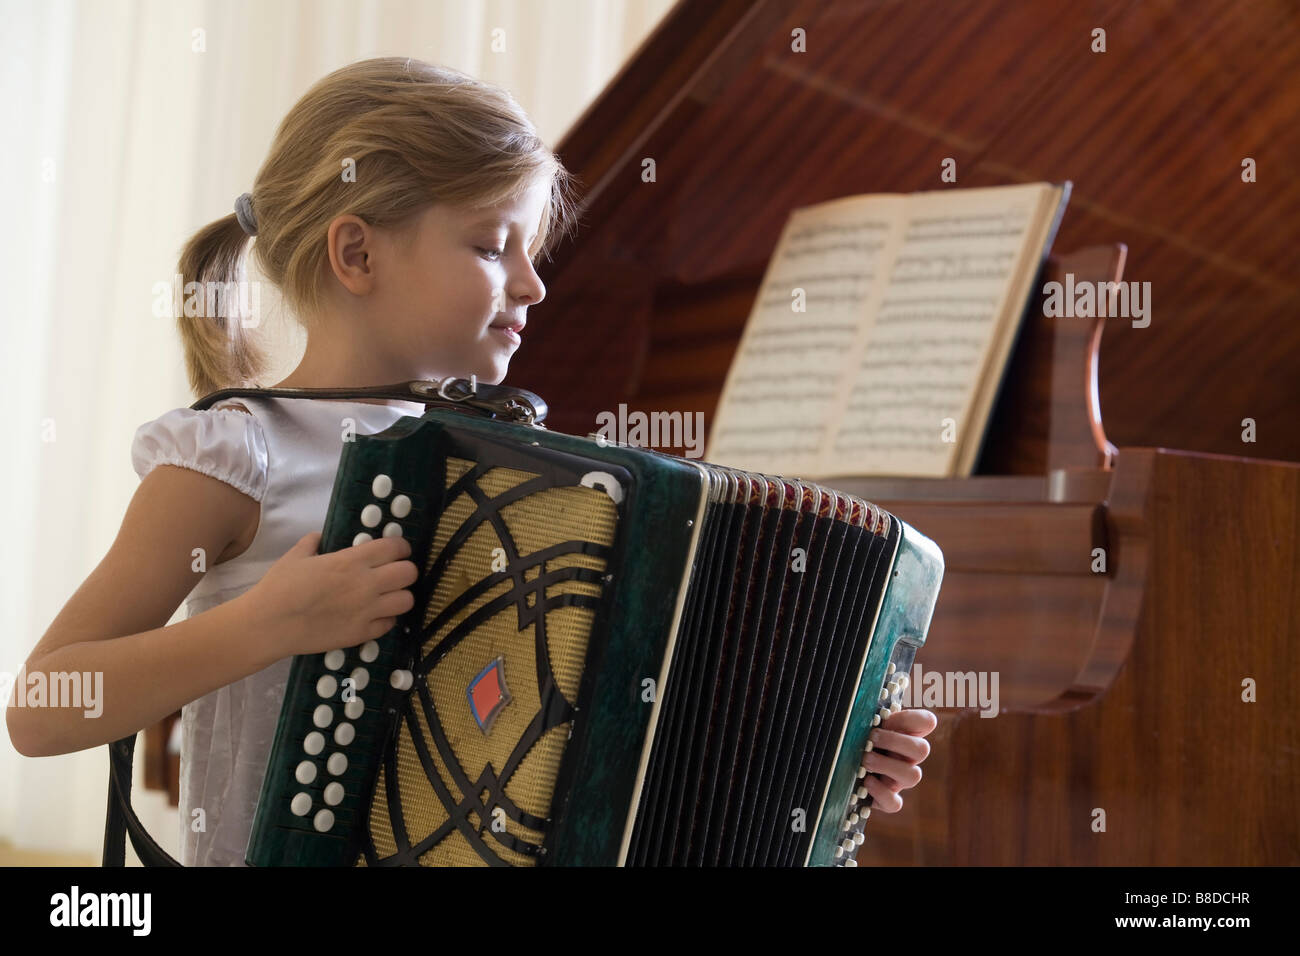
x=114 y=624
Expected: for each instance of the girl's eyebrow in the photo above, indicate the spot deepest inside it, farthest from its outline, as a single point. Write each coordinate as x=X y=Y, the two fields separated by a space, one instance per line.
x=494 y=221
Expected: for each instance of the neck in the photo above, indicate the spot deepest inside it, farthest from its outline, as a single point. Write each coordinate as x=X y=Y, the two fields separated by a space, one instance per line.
x=296 y=381
x=316 y=371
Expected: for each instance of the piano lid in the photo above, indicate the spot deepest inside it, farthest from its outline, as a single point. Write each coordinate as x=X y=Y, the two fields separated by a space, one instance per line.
x=645 y=305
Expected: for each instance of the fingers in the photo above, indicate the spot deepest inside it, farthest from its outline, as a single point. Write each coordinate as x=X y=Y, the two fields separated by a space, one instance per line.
x=394 y=604
x=900 y=773
x=906 y=746
x=383 y=550
x=883 y=798
x=917 y=722
x=379 y=627
x=898 y=745
x=395 y=576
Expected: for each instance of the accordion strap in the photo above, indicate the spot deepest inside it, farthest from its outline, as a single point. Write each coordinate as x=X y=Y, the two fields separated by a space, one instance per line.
x=496 y=401
x=122 y=820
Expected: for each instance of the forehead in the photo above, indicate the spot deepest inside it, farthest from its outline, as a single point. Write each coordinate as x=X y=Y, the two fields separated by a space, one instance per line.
x=525 y=211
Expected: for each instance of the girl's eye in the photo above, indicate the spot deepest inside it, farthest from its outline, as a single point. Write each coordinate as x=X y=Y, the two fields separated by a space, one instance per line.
x=495 y=253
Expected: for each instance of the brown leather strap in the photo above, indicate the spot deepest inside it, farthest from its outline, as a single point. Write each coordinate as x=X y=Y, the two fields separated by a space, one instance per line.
x=497 y=401
x=122 y=820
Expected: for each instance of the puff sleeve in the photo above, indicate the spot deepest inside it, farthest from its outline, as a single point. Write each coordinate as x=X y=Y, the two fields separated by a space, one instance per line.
x=222 y=443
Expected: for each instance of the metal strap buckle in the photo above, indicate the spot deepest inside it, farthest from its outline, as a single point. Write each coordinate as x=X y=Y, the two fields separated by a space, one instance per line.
x=507 y=404
x=465 y=393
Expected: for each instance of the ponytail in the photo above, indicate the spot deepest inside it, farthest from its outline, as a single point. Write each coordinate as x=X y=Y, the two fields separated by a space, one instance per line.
x=219 y=351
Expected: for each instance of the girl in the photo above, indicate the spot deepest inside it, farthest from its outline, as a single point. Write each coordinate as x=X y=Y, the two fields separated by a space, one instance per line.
x=399 y=212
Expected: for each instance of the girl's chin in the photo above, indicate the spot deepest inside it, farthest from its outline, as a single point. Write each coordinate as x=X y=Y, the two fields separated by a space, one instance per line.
x=491 y=372
x=486 y=371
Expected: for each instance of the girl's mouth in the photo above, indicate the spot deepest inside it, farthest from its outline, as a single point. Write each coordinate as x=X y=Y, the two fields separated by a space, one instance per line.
x=509 y=329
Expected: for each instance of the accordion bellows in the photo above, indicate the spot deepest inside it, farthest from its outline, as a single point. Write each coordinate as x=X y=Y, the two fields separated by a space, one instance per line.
x=615 y=657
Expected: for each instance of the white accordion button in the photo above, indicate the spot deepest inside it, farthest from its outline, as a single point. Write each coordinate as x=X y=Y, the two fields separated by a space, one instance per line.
x=323 y=820
x=326 y=686
x=848 y=844
x=401 y=680
x=884 y=693
x=850 y=862
x=894 y=687
x=322 y=716
x=866 y=812
x=300 y=804
x=362 y=538
x=839 y=852
x=853 y=819
x=314 y=743
x=401 y=506
x=875 y=720
x=336 y=764
x=306 y=772
x=333 y=794
x=353 y=708
x=334 y=660
x=392 y=530
x=862 y=793
x=892 y=668
x=360 y=678
x=382 y=486
x=902 y=682
x=862 y=772
x=859 y=839
x=605 y=482
x=869 y=747
x=370 y=651
x=344 y=734
x=371 y=515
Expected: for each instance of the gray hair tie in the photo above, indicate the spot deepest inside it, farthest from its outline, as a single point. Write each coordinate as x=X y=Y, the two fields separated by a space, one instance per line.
x=244 y=213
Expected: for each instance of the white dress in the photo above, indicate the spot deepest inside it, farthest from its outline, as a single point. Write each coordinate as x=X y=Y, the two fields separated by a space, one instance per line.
x=284 y=455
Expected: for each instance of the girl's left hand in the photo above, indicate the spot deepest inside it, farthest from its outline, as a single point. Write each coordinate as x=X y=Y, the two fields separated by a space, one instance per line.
x=899 y=748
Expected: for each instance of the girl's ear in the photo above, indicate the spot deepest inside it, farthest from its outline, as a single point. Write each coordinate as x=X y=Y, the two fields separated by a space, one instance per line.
x=349 y=242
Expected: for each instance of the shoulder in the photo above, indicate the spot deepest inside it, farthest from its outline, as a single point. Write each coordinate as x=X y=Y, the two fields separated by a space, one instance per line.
x=226 y=442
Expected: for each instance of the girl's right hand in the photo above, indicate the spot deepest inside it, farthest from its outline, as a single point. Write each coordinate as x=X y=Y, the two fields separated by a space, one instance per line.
x=309 y=603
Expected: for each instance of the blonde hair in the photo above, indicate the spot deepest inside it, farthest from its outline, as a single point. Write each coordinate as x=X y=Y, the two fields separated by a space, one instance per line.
x=417 y=134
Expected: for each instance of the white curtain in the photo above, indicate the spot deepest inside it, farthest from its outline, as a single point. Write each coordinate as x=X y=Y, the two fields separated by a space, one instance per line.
x=129 y=125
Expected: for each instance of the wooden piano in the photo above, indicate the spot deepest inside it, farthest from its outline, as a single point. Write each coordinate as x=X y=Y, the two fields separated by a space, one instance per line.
x=1148 y=710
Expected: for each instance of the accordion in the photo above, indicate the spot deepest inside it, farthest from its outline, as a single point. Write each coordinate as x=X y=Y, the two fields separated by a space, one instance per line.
x=615 y=657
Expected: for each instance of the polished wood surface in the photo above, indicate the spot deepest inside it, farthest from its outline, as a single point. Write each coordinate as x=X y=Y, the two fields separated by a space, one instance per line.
x=1047 y=416
x=1123 y=692
x=646 y=304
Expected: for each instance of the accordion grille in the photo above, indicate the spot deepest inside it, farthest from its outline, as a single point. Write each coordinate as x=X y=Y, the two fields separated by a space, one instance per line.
x=471 y=776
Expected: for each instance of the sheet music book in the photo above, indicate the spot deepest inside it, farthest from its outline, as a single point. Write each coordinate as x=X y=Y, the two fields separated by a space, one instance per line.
x=881 y=332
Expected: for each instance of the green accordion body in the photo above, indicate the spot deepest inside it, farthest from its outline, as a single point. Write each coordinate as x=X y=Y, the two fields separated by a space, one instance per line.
x=615 y=657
